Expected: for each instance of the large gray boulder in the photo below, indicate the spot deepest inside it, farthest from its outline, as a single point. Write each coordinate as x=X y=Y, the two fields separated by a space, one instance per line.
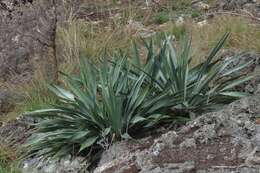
x=224 y=141
x=27 y=32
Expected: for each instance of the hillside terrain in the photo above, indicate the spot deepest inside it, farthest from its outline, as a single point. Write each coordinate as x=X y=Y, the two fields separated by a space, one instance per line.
x=42 y=40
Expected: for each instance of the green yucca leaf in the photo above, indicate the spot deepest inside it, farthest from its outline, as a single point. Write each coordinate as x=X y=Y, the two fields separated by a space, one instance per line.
x=236 y=82
x=78 y=135
x=137 y=119
x=136 y=58
x=234 y=94
x=88 y=143
x=237 y=68
x=62 y=93
x=213 y=53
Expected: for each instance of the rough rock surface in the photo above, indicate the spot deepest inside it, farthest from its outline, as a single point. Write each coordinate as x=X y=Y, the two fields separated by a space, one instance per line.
x=7 y=101
x=26 y=38
x=65 y=165
x=224 y=141
x=252 y=6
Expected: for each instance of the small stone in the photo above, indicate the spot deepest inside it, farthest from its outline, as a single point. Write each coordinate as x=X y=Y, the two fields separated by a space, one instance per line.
x=202 y=23
x=157 y=148
x=180 y=21
x=249 y=125
x=201 y=6
x=50 y=168
x=210 y=157
x=188 y=143
x=66 y=163
x=204 y=6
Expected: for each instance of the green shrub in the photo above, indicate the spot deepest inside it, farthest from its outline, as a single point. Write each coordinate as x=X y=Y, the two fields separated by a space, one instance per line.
x=194 y=89
x=162 y=17
x=195 y=14
x=102 y=105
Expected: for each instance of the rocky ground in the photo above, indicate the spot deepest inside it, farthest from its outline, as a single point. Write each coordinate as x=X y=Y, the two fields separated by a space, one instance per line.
x=224 y=141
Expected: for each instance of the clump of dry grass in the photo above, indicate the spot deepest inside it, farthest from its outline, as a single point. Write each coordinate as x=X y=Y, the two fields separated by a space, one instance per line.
x=8 y=159
x=7 y=155
x=245 y=34
x=90 y=39
x=37 y=94
x=34 y=94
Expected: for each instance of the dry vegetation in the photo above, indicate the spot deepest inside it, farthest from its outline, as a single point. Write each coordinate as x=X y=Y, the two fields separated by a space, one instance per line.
x=8 y=158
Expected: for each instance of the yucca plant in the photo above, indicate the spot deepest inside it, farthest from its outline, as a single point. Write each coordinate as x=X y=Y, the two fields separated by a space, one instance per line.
x=117 y=99
x=195 y=89
x=101 y=106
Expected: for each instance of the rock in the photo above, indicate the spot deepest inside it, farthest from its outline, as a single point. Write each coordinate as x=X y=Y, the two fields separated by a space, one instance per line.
x=202 y=23
x=180 y=21
x=216 y=142
x=253 y=6
x=7 y=101
x=188 y=143
x=201 y=6
x=138 y=29
x=27 y=37
x=65 y=165
x=233 y=4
